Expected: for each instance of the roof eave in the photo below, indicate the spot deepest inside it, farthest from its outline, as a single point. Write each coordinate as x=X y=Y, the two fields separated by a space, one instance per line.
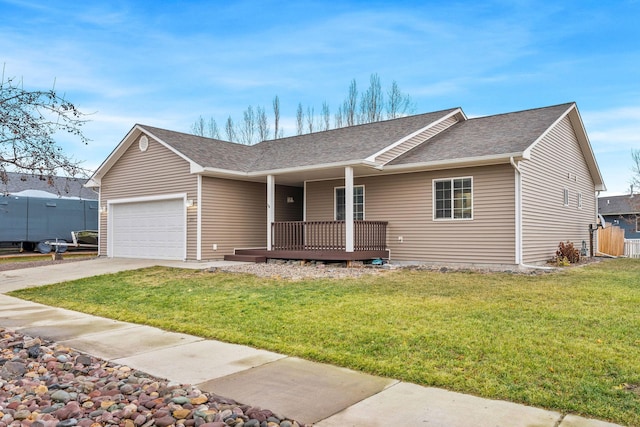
x=320 y=166
x=493 y=159
x=583 y=141
x=617 y=213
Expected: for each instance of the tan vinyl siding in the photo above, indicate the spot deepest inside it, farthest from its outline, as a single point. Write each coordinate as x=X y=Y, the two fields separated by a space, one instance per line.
x=415 y=141
x=234 y=215
x=155 y=172
x=556 y=163
x=405 y=201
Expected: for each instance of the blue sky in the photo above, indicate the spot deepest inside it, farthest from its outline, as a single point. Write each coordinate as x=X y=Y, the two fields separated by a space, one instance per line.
x=165 y=63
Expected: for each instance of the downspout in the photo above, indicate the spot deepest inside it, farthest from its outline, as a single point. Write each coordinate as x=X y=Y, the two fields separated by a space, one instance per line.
x=199 y=220
x=518 y=210
x=595 y=233
x=518 y=214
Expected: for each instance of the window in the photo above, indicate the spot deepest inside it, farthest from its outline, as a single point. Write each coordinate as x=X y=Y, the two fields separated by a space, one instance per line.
x=566 y=197
x=579 y=200
x=453 y=198
x=358 y=203
x=637 y=224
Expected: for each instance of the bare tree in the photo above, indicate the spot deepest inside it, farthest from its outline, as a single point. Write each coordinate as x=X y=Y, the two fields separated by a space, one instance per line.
x=398 y=103
x=29 y=119
x=300 y=120
x=214 y=130
x=209 y=129
x=635 y=168
x=310 y=119
x=230 y=130
x=247 y=129
x=197 y=128
x=338 y=118
x=356 y=108
x=371 y=103
x=326 y=116
x=263 y=124
x=276 y=117
x=350 y=104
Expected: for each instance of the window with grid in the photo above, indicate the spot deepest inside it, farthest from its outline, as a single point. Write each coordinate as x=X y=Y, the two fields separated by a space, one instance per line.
x=358 y=203
x=453 y=198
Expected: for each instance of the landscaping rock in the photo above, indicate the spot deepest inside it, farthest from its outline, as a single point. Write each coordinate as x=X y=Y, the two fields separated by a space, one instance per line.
x=56 y=386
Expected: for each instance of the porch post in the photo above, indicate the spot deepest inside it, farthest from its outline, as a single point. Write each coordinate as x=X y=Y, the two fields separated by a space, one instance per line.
x=348 y=204
x=271 y=207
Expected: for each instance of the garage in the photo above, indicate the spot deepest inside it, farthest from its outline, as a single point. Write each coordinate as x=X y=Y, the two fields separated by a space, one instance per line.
x=150 y=229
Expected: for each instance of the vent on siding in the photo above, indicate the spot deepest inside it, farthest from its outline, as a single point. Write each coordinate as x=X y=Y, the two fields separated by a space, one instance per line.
x=143 y=143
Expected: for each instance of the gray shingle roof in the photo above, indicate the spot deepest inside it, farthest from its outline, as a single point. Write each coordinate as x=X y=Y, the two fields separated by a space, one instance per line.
x=486 y=136
x=619 y=205
x=339 y=145
x=61 y=186
x=496 y=135
x=207 y=152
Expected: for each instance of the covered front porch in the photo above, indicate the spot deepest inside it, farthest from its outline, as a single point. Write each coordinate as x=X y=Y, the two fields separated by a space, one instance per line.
x=321 y=241
x=317 y=231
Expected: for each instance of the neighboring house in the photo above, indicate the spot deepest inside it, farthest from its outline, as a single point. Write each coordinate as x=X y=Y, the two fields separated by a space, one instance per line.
x=623 y=211
x=436 y=187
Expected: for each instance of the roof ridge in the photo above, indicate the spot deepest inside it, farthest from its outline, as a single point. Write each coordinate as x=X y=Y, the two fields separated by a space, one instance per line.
x=357 y=125
x=189 y=134
x=567 y=104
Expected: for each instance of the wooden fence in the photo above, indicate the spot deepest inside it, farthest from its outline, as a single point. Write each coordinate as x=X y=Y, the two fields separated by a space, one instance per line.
x=632 y=248
x=611 y=240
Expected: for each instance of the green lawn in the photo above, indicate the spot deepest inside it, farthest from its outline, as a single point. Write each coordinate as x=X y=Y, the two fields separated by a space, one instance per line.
x=568 y=341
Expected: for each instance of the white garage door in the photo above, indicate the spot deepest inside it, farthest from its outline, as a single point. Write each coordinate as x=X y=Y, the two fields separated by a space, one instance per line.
x=154 y=229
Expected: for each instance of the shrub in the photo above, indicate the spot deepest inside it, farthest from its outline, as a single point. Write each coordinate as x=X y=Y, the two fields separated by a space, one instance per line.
x=567 y=252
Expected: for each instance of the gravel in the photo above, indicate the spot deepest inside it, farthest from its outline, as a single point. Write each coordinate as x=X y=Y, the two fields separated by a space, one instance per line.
x=44 y=384
x=297 y=270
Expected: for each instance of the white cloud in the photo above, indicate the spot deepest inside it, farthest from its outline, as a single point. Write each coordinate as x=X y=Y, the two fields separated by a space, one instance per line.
x=614 y=130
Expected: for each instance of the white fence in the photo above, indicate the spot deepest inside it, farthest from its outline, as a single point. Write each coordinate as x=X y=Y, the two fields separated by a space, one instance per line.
x=632 y=248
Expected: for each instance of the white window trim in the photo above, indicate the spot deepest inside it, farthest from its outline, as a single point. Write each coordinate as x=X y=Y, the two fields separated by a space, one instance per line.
x=335 y=201
x=637 y=224
x=579 y=200
x=565 y=197
x=433 y=199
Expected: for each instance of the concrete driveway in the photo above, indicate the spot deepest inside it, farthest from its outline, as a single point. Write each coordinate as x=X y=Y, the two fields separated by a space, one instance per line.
x=55 y=273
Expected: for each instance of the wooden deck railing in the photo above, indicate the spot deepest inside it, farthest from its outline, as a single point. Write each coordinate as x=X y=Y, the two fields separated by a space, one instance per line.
x=327 y=235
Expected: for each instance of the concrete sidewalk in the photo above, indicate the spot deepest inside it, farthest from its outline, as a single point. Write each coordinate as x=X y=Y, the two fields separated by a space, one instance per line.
x=309 y=392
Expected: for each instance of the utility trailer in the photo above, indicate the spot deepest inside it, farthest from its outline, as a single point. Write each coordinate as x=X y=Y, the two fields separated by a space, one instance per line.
x=33 y=222
x=79 y=239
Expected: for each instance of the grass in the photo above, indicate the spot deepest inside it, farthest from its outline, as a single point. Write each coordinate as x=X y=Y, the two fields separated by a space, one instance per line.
x=568 y=341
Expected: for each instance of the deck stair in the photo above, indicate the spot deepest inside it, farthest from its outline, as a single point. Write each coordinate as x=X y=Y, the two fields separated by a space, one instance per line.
x=247 y=255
